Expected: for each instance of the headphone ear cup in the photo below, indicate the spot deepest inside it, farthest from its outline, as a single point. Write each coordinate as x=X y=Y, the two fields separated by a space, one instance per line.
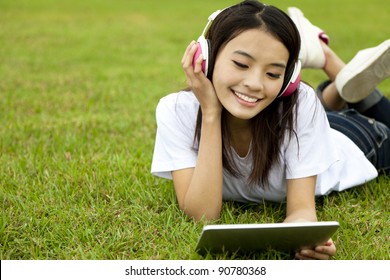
x=293 y=82
x=292 y=86
x=203 y=47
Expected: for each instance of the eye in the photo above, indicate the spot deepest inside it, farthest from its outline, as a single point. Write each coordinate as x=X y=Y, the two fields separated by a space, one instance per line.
x=239 y=64
x=273 y=75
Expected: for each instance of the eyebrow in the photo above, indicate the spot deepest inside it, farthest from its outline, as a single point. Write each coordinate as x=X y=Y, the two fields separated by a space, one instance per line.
x=281 y=65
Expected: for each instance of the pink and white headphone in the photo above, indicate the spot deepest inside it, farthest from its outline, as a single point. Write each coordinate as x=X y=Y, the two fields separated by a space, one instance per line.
x=293 y=78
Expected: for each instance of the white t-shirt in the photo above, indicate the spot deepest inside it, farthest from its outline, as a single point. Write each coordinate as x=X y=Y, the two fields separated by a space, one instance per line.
x=338 y=163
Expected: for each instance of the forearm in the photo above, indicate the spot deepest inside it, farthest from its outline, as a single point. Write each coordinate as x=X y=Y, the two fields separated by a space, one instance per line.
x=302 y=215
x=204 y=195
x=301 y=200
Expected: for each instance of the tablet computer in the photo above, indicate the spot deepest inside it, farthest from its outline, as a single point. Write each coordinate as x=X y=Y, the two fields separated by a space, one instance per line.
x=284 y=237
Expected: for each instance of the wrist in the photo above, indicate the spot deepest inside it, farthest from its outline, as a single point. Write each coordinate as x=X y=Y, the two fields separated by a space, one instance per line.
x=211 y=117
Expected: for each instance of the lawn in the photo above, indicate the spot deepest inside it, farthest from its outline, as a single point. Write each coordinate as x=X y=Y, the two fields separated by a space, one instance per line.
x=79 y=83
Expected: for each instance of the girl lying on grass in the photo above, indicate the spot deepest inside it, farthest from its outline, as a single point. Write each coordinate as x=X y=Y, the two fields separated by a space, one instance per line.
x=248 y=130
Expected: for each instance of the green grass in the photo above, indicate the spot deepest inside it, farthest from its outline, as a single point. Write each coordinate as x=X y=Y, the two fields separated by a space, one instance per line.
x=79 y=82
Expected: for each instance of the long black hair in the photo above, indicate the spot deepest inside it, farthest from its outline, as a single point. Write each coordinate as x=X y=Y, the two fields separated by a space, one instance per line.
x=274 y=123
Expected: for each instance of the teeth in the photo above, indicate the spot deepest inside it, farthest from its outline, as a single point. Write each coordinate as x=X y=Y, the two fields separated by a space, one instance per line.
x=246 y=98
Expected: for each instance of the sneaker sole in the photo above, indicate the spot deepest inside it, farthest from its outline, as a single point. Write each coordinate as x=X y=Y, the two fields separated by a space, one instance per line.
x=371 y=73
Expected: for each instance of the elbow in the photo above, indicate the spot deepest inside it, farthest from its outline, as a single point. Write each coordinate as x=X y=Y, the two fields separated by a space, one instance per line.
x=202 y=214
x=205 y=217
x=201 y=211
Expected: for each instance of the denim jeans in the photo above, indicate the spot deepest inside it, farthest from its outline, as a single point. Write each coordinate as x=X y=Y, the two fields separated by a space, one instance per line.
x=372 y=137
x=369 y=128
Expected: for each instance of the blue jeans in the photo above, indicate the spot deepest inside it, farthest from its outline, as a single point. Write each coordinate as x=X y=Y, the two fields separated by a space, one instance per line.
x=372 y=137
x=369 y=129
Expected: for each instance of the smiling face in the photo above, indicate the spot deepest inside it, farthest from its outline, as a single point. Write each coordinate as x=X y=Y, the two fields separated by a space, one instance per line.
x=249 y=73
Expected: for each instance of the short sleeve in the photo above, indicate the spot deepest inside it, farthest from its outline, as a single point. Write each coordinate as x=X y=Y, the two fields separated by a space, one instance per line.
x=174 y=145
x=312 y=150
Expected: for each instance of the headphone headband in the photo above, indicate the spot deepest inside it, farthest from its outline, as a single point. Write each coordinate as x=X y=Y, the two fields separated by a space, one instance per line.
x=210 y=20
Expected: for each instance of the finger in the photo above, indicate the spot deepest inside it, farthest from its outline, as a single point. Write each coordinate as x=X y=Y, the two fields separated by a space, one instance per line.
x=329 y=249
x=299 y=256
x=189 y=55
x=198 y=64
x=312 y=255
x=187 y=50
x=329 y=242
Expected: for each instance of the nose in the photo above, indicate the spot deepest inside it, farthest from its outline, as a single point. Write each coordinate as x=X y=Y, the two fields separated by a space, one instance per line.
x=254 y=81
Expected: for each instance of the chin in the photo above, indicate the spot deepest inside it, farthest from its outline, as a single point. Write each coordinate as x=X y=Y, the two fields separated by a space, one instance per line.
x=244 y=115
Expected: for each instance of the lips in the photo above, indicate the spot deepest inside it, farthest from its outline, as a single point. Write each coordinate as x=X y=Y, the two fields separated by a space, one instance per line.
x=245 y=98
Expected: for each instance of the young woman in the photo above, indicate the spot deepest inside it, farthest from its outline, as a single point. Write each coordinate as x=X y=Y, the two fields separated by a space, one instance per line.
x=248 y=131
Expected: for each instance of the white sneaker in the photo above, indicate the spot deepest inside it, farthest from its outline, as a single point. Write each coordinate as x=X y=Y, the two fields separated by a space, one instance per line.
x=364 y=72
x=311 y=54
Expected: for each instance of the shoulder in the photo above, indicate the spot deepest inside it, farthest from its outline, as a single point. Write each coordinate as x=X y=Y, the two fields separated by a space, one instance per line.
x=309 y=107
x=177 y=107
x=181 y=98
x=307 y=95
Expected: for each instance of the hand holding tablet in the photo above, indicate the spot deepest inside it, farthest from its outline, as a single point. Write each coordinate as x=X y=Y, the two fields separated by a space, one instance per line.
x=259 y=237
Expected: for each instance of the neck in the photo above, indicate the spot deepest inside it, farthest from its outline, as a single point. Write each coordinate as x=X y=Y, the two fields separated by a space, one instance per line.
x=240 y=134
x=238 y=125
